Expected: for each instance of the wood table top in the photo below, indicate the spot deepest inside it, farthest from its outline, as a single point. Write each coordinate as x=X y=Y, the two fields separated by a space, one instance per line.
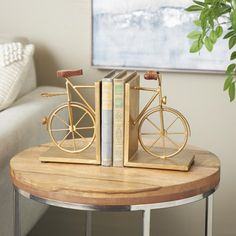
x=97 y=185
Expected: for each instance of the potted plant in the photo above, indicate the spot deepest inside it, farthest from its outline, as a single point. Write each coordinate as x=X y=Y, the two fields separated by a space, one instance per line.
x=216 y=18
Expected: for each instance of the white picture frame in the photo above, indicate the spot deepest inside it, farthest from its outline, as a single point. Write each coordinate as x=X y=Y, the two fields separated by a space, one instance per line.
x=150 y=34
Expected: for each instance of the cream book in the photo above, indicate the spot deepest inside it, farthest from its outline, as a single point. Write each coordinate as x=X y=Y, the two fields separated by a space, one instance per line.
x=106 y=118
x=118 y=116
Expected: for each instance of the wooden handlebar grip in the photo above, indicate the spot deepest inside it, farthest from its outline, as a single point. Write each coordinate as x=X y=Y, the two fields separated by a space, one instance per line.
x=69 y=73
x=151 y=75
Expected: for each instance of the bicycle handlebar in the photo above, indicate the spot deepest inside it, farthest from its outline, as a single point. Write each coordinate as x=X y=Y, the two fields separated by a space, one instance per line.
x=52 y=94
x=153 y=75
x=69 y=73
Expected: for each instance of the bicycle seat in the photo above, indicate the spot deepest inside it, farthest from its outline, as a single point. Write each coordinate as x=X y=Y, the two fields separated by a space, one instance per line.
x=152 y=75
x=69 y=73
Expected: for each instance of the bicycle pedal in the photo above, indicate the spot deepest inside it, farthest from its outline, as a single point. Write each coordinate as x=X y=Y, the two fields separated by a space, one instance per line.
x=164 y=100
x=44 y=120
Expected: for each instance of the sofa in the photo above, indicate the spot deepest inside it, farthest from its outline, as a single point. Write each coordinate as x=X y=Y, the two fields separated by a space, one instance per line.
x=21 y=128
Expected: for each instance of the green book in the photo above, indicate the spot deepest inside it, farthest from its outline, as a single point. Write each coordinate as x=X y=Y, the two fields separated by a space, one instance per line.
x=118 y=115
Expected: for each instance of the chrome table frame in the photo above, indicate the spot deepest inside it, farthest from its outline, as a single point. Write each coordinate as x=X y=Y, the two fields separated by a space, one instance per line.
x=145 y=208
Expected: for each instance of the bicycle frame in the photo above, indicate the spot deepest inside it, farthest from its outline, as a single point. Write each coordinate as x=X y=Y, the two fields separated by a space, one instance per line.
x=69 y=86
x=157 y=92
x=76 y=88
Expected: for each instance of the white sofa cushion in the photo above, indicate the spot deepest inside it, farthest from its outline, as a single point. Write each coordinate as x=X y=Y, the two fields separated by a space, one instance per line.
x=21 y=125
x=12 y=77
x=10 y=53
x=21 y=128
x=30 y=80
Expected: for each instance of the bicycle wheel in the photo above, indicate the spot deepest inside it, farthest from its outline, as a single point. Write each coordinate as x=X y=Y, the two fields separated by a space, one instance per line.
x=168 y=142
x=76 y=137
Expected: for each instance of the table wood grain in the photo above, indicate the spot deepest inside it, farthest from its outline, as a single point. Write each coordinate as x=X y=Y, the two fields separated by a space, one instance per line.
x=97 y=185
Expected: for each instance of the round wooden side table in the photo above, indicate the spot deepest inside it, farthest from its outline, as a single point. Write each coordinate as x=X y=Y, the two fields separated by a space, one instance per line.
x=97 y=188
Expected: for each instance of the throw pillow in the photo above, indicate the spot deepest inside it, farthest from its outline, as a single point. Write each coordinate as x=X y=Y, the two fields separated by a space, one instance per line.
x=13 y=74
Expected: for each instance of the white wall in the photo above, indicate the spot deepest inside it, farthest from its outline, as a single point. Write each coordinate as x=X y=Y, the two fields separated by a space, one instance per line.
x=61 y=31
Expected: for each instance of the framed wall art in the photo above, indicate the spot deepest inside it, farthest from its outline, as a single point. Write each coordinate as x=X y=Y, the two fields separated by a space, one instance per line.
x=149 y=34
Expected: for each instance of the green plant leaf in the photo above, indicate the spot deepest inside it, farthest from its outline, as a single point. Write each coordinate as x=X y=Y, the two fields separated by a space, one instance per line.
x=232 y=41
x=194 y=8
x=225 y=9
x=213 y=36
x=204 y=24
x=231 y=33
x=199 y=3
x=230 y=68
x=204 y=14
x=194 y=35
x=211 y=21
x=233 y=56
x=219 y=31
x=233 y=19
x=228 y=82
x=233 y=3
x=208 y=43
x=196 y=46
x=197 y=22
x=232 y=91
x=204 y=19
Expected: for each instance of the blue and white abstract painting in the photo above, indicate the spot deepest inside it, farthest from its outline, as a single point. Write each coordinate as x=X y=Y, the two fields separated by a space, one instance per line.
x=149 y=34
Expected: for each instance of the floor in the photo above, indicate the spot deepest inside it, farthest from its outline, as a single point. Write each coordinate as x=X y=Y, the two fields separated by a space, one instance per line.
x=174 y=221
x=61 y=222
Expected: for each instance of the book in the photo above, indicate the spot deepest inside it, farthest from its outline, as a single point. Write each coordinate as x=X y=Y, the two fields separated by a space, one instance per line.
x=106 y=118
x=131 y=113
x=118 y=116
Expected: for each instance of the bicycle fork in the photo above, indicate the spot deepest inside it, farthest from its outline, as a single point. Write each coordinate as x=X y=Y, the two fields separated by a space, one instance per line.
x=163 y=132
x=70 y=112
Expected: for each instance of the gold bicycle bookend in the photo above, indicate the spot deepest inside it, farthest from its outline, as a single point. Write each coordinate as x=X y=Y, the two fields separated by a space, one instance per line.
x=74 y=126
x=161 y=131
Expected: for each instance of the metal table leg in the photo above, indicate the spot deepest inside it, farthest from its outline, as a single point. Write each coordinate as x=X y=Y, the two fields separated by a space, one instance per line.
x=209 y=215
x=146 y=222
x=89 y=223
x=17 y=223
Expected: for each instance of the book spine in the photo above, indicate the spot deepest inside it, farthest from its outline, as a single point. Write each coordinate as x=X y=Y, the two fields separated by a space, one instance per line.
x=118 y=124
x=106 y=125
x=126 y=124
x=98 y=120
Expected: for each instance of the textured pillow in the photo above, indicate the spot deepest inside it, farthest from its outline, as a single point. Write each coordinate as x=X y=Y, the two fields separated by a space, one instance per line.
x=30 y=80
x=13 y=76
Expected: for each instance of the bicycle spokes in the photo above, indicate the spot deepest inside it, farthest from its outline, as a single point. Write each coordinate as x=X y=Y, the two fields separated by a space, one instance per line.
x=72 y=137
x=163 y=141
